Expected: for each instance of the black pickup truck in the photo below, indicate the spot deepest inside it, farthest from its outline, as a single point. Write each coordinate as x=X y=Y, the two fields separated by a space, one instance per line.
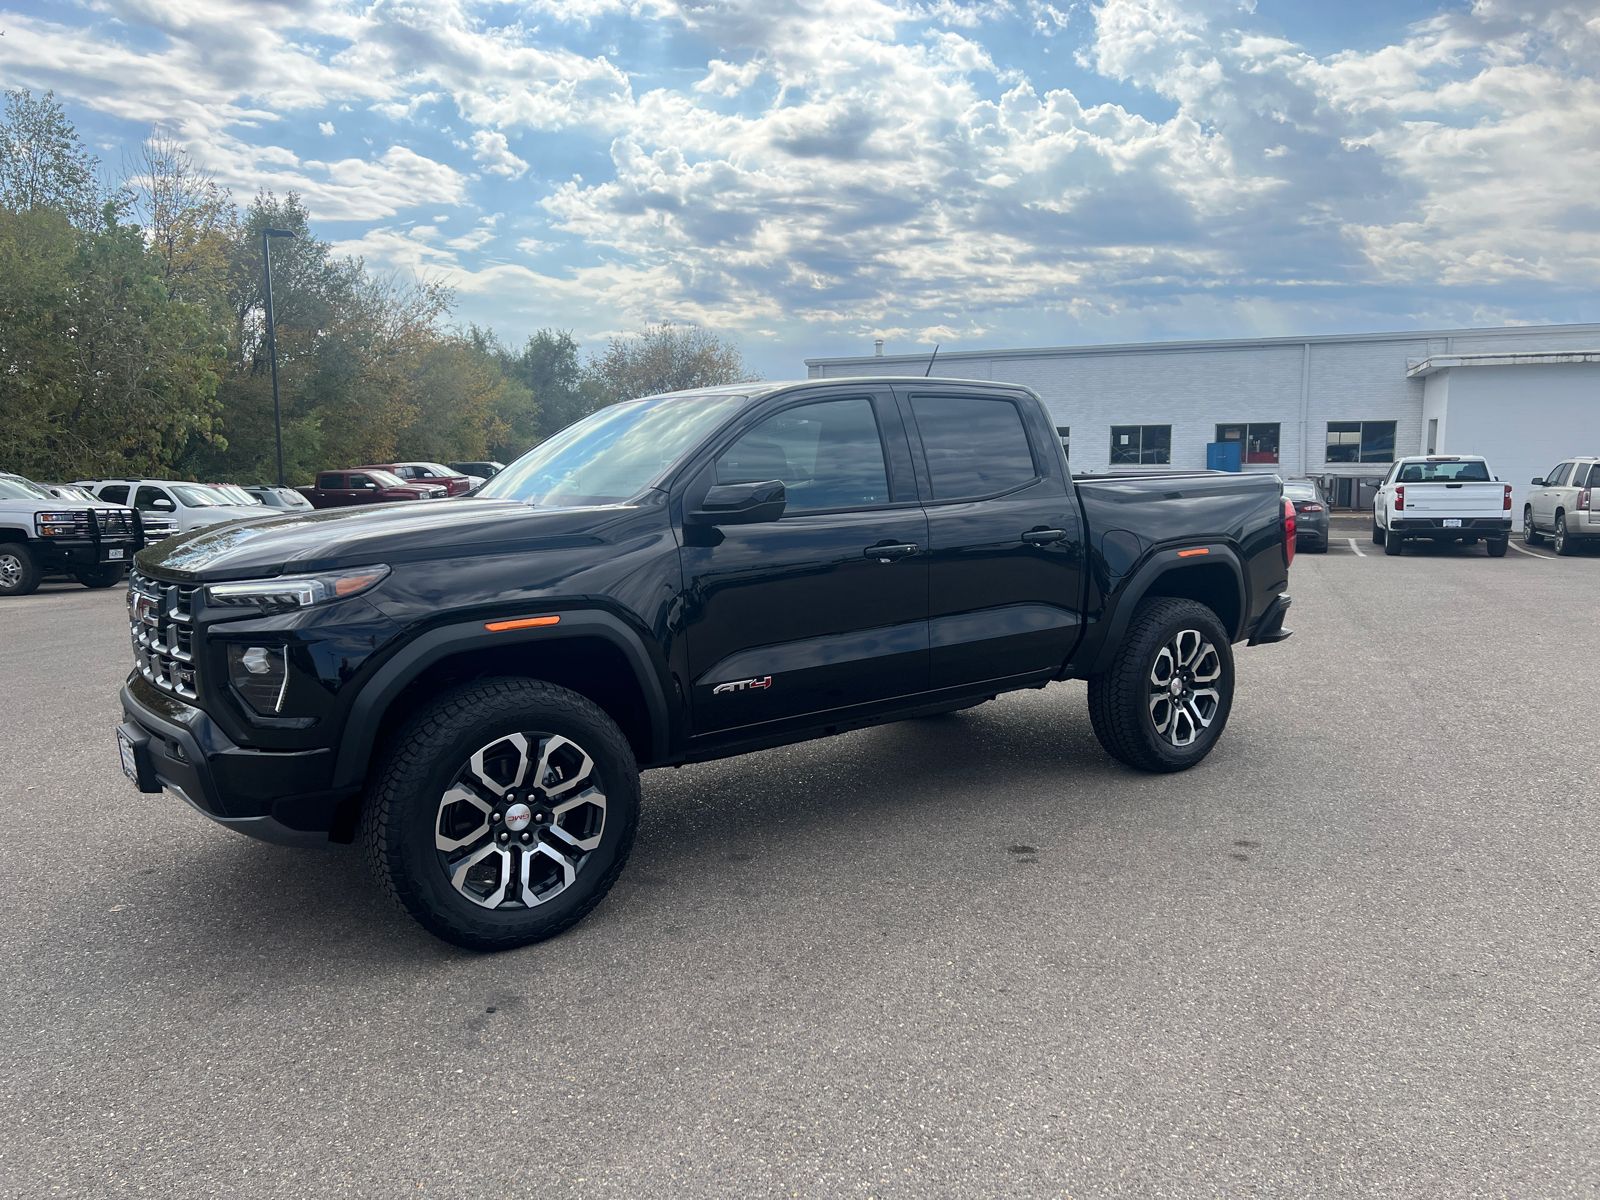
x=472 y=688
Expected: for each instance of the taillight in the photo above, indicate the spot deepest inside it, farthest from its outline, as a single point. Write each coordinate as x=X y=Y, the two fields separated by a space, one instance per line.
x=1508 y=498
x=1307 y=506
x=1400 y=497
x=1288 y=530
x=1583 y=498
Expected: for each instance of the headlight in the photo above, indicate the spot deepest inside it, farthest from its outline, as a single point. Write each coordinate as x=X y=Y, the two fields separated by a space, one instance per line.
x=299 y=591
x=261 y=675
x=55 y=524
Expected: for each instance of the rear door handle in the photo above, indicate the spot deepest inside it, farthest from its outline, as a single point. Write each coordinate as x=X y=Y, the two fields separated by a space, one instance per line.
x=890 y=552
x=1043 y=537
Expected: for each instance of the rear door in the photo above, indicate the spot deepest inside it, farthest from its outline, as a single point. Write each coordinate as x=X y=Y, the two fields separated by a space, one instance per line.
x=791 y=618
x=1005 y=586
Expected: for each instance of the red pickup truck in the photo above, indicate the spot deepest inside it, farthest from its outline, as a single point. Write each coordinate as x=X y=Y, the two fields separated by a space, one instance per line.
x=344 y=489
x=426 y=472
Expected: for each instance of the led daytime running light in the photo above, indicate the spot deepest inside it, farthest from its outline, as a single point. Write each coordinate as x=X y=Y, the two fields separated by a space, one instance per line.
x=295 y=592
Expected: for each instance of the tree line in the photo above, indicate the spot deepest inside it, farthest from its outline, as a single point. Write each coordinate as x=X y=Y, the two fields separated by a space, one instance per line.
x=133 y=334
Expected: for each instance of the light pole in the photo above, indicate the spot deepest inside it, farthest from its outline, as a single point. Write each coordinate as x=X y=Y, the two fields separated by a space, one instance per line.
x=272 y=342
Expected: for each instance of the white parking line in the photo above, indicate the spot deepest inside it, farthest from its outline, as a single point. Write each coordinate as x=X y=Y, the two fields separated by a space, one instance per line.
x=1359 y=552
x=1528 y=552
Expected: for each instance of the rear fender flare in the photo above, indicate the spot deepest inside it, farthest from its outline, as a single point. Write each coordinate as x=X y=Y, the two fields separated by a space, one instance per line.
x=366 y=714
x=1158 y=565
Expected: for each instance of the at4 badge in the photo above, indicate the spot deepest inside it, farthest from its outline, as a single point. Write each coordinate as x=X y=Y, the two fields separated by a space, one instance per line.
x=743 y=685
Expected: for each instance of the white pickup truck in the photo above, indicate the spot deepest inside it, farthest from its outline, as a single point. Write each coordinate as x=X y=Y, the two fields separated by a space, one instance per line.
x=1443 y=498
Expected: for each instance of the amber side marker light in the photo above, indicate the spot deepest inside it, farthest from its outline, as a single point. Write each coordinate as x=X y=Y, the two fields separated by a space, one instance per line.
x=1192 y=553
x=524 y=623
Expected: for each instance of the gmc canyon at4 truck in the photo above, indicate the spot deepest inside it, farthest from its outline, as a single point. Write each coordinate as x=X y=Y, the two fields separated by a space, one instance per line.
x=472 y=688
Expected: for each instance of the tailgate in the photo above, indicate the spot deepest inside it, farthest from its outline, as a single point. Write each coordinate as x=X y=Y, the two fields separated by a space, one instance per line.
x=1455 y=499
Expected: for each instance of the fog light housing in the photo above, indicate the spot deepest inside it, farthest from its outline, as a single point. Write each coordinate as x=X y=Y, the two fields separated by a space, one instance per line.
x=260 y=674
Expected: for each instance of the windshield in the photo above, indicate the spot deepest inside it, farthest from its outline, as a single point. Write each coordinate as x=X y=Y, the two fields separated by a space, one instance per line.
x=21 y=489
x=66 y=491
x=436 y=468
x=1444 y=472
x=191 y=496
x=382 y=478
x=284 y=498
x=611 y=456
x=236 y=493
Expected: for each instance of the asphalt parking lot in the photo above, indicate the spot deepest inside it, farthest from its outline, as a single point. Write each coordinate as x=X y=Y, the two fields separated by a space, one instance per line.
x=1352 y=954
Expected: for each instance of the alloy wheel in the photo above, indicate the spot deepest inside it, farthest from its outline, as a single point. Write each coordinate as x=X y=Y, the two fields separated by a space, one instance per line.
x=1184 y=697
x=1529 y=534
x=517 y=824
x=1558 y=540
x=10 y=571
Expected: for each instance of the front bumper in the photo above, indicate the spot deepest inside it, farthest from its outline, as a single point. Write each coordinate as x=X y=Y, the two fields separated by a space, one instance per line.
x=279 y=796
x=75 y=555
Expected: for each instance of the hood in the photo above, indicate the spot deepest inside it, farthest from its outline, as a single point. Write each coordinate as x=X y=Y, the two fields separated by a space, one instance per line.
x=332 y=539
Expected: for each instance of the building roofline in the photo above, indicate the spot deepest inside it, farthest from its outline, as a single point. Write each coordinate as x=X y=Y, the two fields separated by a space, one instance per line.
x=1208 y=344
x=1419 y=368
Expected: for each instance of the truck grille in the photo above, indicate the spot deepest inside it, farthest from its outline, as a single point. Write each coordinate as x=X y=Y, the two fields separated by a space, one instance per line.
x=116 y=524
x=161 y=621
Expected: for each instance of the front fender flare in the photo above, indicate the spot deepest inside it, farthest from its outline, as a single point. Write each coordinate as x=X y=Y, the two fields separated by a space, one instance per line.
x=366 y=714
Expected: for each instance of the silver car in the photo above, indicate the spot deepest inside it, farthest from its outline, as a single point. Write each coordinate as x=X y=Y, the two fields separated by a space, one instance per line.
x=1565 y=505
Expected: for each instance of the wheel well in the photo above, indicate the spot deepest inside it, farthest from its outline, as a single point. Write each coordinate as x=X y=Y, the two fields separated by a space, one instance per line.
x=590 y=666
x=1212 y=584
x=13 y=535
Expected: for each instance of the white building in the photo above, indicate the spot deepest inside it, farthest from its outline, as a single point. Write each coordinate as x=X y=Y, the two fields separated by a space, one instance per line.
x=1335 y=407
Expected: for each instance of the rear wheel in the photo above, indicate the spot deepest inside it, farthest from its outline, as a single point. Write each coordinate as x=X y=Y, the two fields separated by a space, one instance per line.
x=1393 y=543
x=99 y=577
x=1560 y=542
x=19 y=573
x=1530 y=535
x=1165 y=700
x=503 y=813
x=1498 y=546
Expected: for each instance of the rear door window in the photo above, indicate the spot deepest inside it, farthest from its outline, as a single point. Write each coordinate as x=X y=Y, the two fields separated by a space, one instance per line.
x=975 y=445
x=331 y=483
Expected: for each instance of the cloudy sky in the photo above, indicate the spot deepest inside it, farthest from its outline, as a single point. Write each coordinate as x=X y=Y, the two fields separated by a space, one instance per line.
x=810 y=174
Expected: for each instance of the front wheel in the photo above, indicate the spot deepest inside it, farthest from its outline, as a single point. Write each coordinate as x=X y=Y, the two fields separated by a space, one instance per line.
x=1377 y=532
x=19 y=573
x=1165 y=700
x=1530 y=535
x=503 y=813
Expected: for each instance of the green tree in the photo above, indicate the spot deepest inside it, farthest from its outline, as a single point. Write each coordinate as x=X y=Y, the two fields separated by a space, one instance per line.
x=666 y=358
x=43 y=165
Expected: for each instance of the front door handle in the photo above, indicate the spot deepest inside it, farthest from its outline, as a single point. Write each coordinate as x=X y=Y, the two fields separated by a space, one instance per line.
x=890 y=552
x=1043 y=537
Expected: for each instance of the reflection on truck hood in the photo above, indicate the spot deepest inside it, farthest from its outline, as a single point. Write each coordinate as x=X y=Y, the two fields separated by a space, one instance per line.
x=302 y=541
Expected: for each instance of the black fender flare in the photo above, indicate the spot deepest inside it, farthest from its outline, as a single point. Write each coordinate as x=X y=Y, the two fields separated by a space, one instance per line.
x=366 y=713
x=1158 y=564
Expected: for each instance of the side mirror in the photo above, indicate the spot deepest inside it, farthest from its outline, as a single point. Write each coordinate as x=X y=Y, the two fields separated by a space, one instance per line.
x=163 y=505
x=1537 y=482
x=742 y=504
x=371 y=487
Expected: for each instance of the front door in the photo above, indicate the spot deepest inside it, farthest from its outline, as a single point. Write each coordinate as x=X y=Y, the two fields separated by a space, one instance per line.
x=1544 y=498
x=1005 y=587
x=791 y=618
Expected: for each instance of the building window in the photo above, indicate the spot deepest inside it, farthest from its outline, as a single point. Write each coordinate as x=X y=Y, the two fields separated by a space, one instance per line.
x=1141 y=444
x=1260 y=442
x=1360 y=441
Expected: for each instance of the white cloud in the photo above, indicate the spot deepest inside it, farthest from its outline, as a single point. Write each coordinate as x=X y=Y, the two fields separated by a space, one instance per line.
x=326 y=127
x=494 y=151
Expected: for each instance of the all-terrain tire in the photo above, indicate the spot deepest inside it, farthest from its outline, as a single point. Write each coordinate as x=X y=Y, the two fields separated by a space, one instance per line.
x=1561 y=541
x=19 y=572
x=401 y=817
x=103 y=576
x=1377 y=532
x=1120 y=699
x=1497 y=546
x=1530 y=532
x=1393 y=543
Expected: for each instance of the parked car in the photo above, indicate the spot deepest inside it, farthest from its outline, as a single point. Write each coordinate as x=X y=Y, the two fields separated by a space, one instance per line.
x=478 y=470
x=427 y=472
x=366 y=485
x=191 y=505
x=1563 y=503
x=236 y=494
x=1442 y=498
x=42 y=534
x=473 y=687
x=1311 y=514
x=66 y=491
x=286 y=498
